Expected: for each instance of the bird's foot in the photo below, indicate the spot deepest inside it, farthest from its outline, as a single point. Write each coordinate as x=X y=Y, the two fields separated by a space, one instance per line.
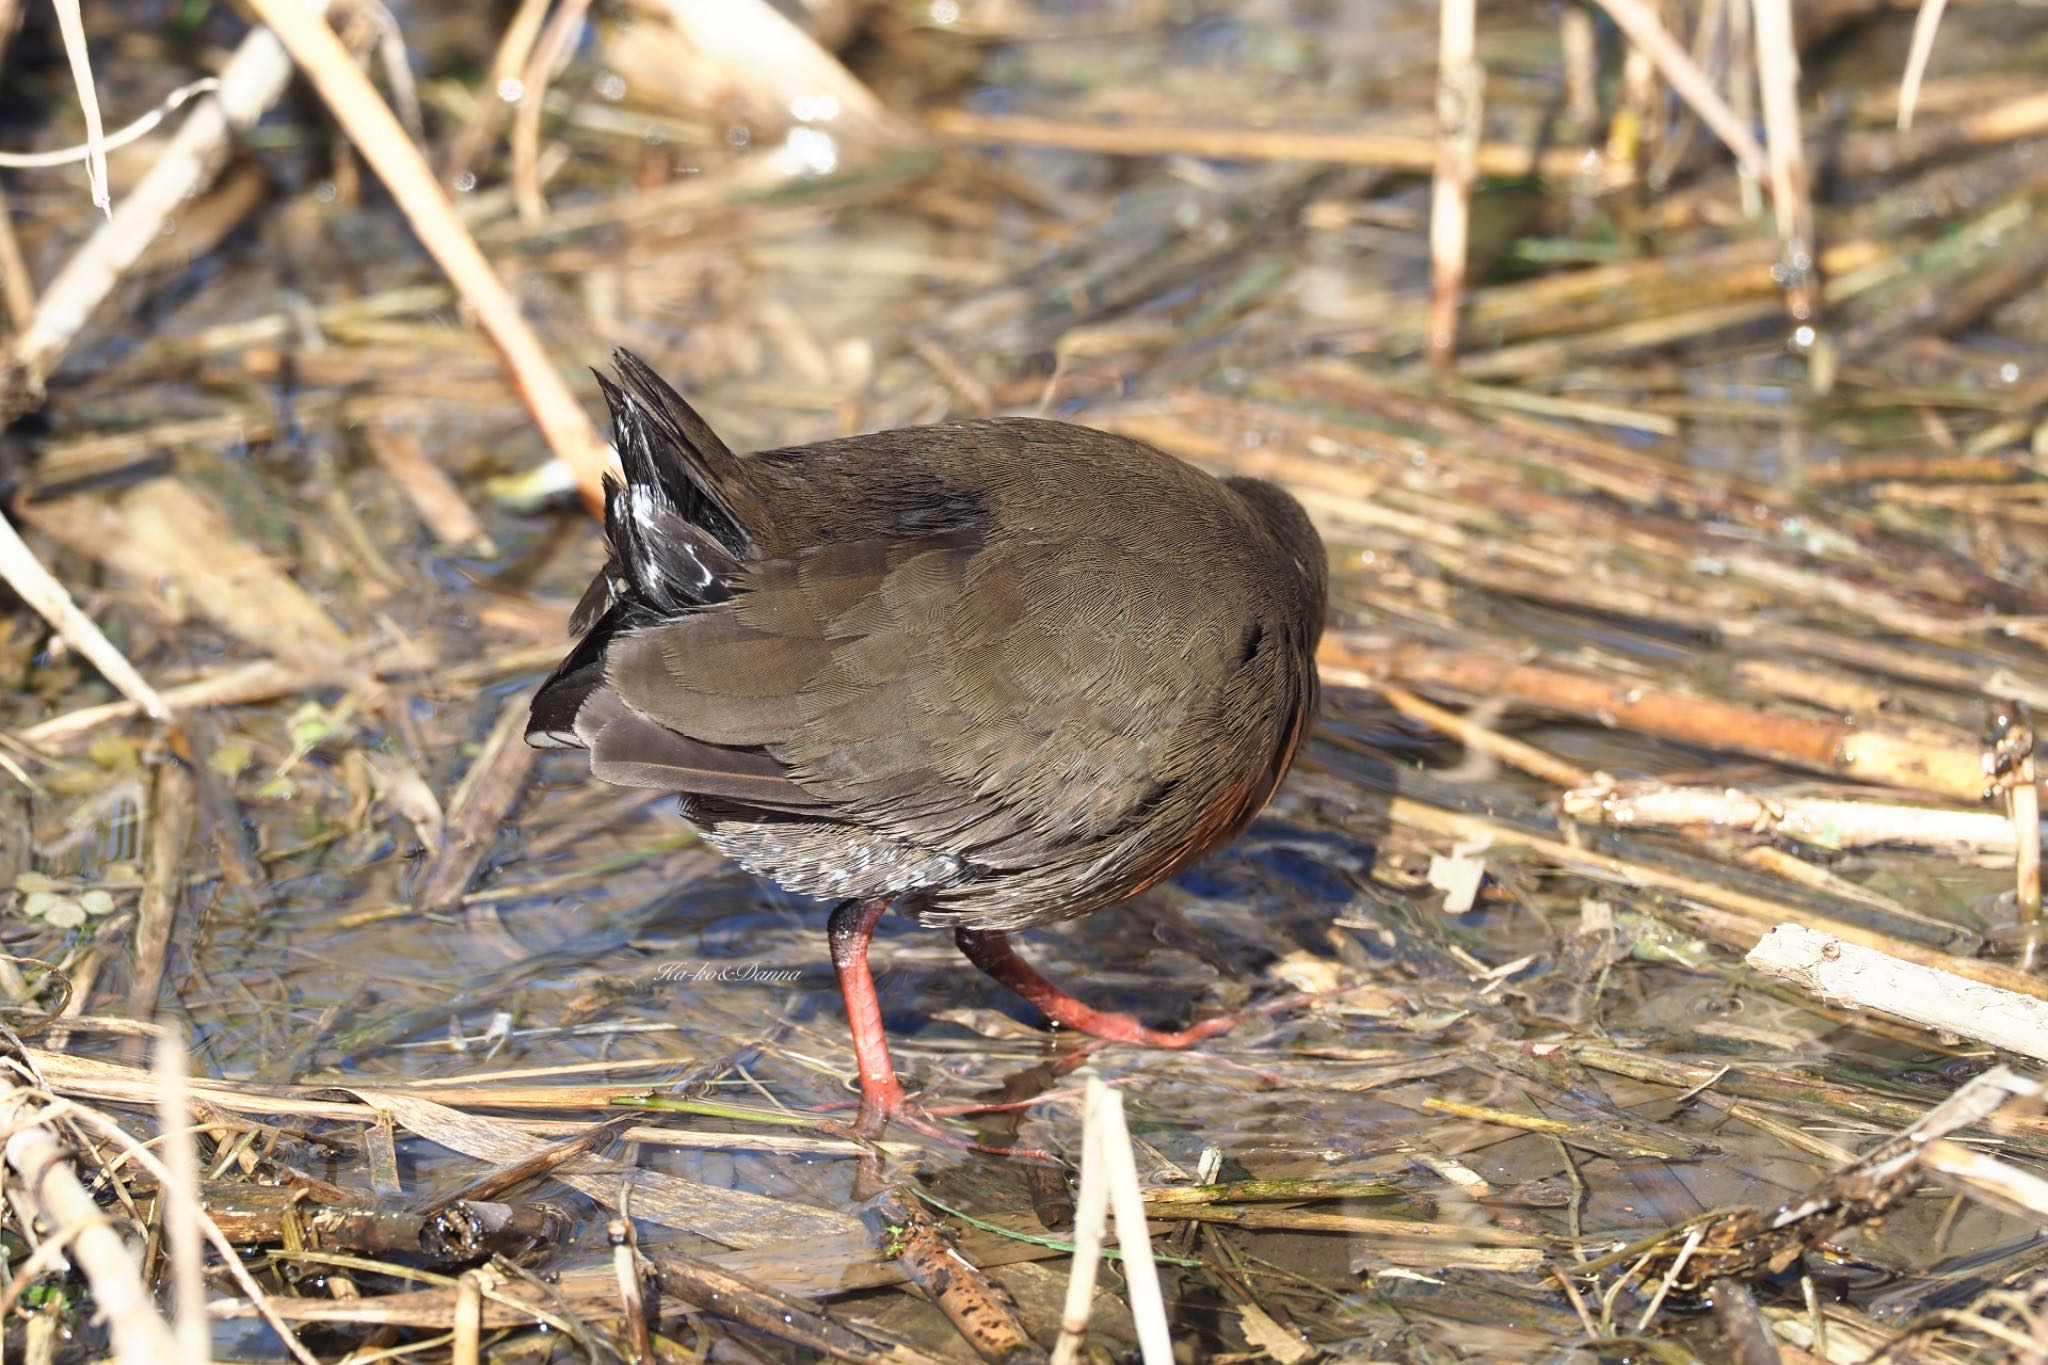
x=882 y=1105
x=990 y=950
x=1114 y=1027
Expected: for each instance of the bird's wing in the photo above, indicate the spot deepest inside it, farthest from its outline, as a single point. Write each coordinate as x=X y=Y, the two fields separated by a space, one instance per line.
x=993 y=702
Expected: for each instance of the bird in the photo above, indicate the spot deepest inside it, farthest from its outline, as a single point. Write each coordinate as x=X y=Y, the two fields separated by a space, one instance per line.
x=994 y=673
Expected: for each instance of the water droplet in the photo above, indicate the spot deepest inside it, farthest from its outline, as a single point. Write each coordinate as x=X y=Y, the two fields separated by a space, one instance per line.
x=814 y=108
x=809 y=151
x=511 y=90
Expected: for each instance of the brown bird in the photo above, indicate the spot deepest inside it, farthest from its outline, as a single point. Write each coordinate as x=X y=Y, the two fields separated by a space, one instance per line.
x=994 y=672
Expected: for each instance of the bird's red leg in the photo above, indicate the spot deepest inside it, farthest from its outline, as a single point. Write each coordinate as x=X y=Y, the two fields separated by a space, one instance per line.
x=851 y=927
x=990 y=950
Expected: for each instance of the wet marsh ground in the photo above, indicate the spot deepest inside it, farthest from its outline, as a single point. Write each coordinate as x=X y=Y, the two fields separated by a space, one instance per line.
x=1642 y=543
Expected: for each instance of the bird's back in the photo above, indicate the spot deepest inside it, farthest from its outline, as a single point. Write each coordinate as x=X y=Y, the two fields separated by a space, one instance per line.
x=1016 y=669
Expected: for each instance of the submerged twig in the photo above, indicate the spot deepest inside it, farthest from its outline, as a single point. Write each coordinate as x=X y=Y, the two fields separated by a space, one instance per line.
x=172 y=813
x=975 y=1305
x=478 y=806
x=769 y=1312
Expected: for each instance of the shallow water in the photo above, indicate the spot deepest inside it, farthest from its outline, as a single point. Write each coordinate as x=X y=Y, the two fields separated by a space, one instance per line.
x=598 y=945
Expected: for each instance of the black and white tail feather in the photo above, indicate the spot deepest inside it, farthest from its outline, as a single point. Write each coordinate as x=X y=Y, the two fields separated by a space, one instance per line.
x=678 y=529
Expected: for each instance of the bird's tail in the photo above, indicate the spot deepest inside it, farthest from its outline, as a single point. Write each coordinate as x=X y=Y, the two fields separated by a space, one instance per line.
x=679 y=525
x=687 y=512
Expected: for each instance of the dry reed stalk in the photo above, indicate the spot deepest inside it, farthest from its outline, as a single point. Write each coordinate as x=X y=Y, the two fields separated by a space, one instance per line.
x=1846 y=974
x=1398 y=151
x=2008 y=122
x=17 y=287
x=629 y=1268
x=1819 y=821
x=36 y=586
x=267 y=680
x=1777 y=59
x=1736 y=918
x=1653 y=804
x=466 y=1347
x=1581 y=47
x=746 y=54
x=1133 y=1238
x=1925 y=25
x=1742 y=96
x=2023 y=803
x=1824 y=746
x=235 y=686
x=180 y=1197
x=51 y=1191
x=169 y=539
x=1460 y=95
x=515 y=46
x=252 y=81
x=2004 y=1186
x=376 y=133
x=71 y=26
x=1091 y=1209
x=550 y=54
x=1530 y=759
x=1647 y=32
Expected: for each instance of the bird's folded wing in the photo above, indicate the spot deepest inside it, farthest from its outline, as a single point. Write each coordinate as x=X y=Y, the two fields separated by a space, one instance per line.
x=992 y=703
